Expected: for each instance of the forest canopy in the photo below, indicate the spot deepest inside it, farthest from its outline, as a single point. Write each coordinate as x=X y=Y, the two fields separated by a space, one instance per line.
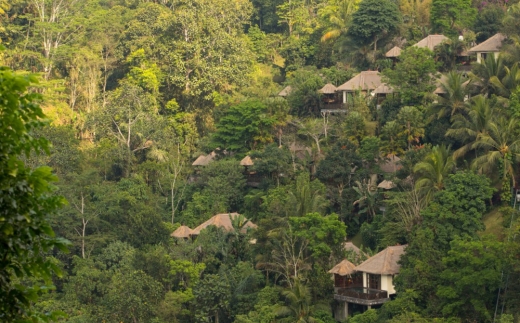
x=213 y=161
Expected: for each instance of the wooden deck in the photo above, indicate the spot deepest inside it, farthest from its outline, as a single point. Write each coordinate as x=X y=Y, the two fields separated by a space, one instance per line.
x=362 y=296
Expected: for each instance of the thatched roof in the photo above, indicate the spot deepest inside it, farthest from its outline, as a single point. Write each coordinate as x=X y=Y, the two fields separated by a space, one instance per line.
x=387 y=185
x=182 y=232
x=394 y=52
x=223 y=221
x=328 y=89
x=440 y=81
x=391 y=164
x=431 y=41
x=383 y=88
x=384 y=263
x=364 y=81
x=203 y=160
x=492 y=44
x=349 y=246
x=286 y=91
x=344 y=268
x=246 y=161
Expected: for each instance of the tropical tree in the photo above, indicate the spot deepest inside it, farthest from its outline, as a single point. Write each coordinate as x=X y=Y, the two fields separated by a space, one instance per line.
x=374 y=20
x=433 y=171
x=393 y=142
x=26 y=202
x=448 y=16
x=501 y=146
x=447 y=52
x=452 y=101
x=306 y=196
x=412 y=122
x=298 y=306
x=467 y=128
x=338 y=13
x=508 y=82
x=243 y=127
x=482 y=74
x=413 y=76
x=368 y=198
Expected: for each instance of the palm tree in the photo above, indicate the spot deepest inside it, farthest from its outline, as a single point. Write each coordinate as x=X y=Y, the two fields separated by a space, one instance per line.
x=305 y=197
x=368 y=198
x=469 y=127
x=433 y=171
x=502 y=150
x=483 y=72
x=509 y=81
x=452 y=101
x=339 y=14
x=298 y=306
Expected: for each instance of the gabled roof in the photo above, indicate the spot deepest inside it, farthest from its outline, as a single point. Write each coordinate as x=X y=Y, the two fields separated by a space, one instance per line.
x=286 y=91
x=366 y=80
x=384 y=263
x=246 y=161
x=182 y=232
x=383 y=88
x=431 y=41
x=223 y=221
x=344 y=268
x=203 y=160
x=394 y=52
x=328 y=89
x=492 y=44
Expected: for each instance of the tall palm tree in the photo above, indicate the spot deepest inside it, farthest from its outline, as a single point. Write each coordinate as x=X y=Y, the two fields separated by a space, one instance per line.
x=298 y=306
x=469 y=127
x=433 y=171
x=451 y=102
x=501 y=144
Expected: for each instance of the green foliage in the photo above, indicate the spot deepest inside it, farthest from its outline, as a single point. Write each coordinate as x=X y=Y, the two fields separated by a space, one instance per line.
x=26 y=202
x=243 y=127
x=413 y=75
x=471 y=279
x=304 y=99
x=374 y=20
x=448 y=16
x=488 y=22
x=370 y=316
x=324 y=233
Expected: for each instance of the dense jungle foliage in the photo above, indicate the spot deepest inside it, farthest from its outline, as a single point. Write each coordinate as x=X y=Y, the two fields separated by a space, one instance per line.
x=105 y=105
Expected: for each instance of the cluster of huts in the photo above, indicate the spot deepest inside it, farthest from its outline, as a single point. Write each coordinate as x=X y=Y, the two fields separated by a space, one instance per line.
x=223 y=221
x=336 y=99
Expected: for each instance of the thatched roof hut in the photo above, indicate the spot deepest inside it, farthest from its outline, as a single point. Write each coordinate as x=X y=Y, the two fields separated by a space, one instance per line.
x=364 y=81
x=491 y=45
x=431 y=41
x=286 y=91
x=223 y=221
x=181 y=232
x=327 y=89
x=204 y=160
x=394 y=52
x=344 y=268
x=387 y=185
x=384 y=263
x=246 y=161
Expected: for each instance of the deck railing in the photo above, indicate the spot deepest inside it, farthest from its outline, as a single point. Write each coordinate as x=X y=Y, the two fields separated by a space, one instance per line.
x=363 y=293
